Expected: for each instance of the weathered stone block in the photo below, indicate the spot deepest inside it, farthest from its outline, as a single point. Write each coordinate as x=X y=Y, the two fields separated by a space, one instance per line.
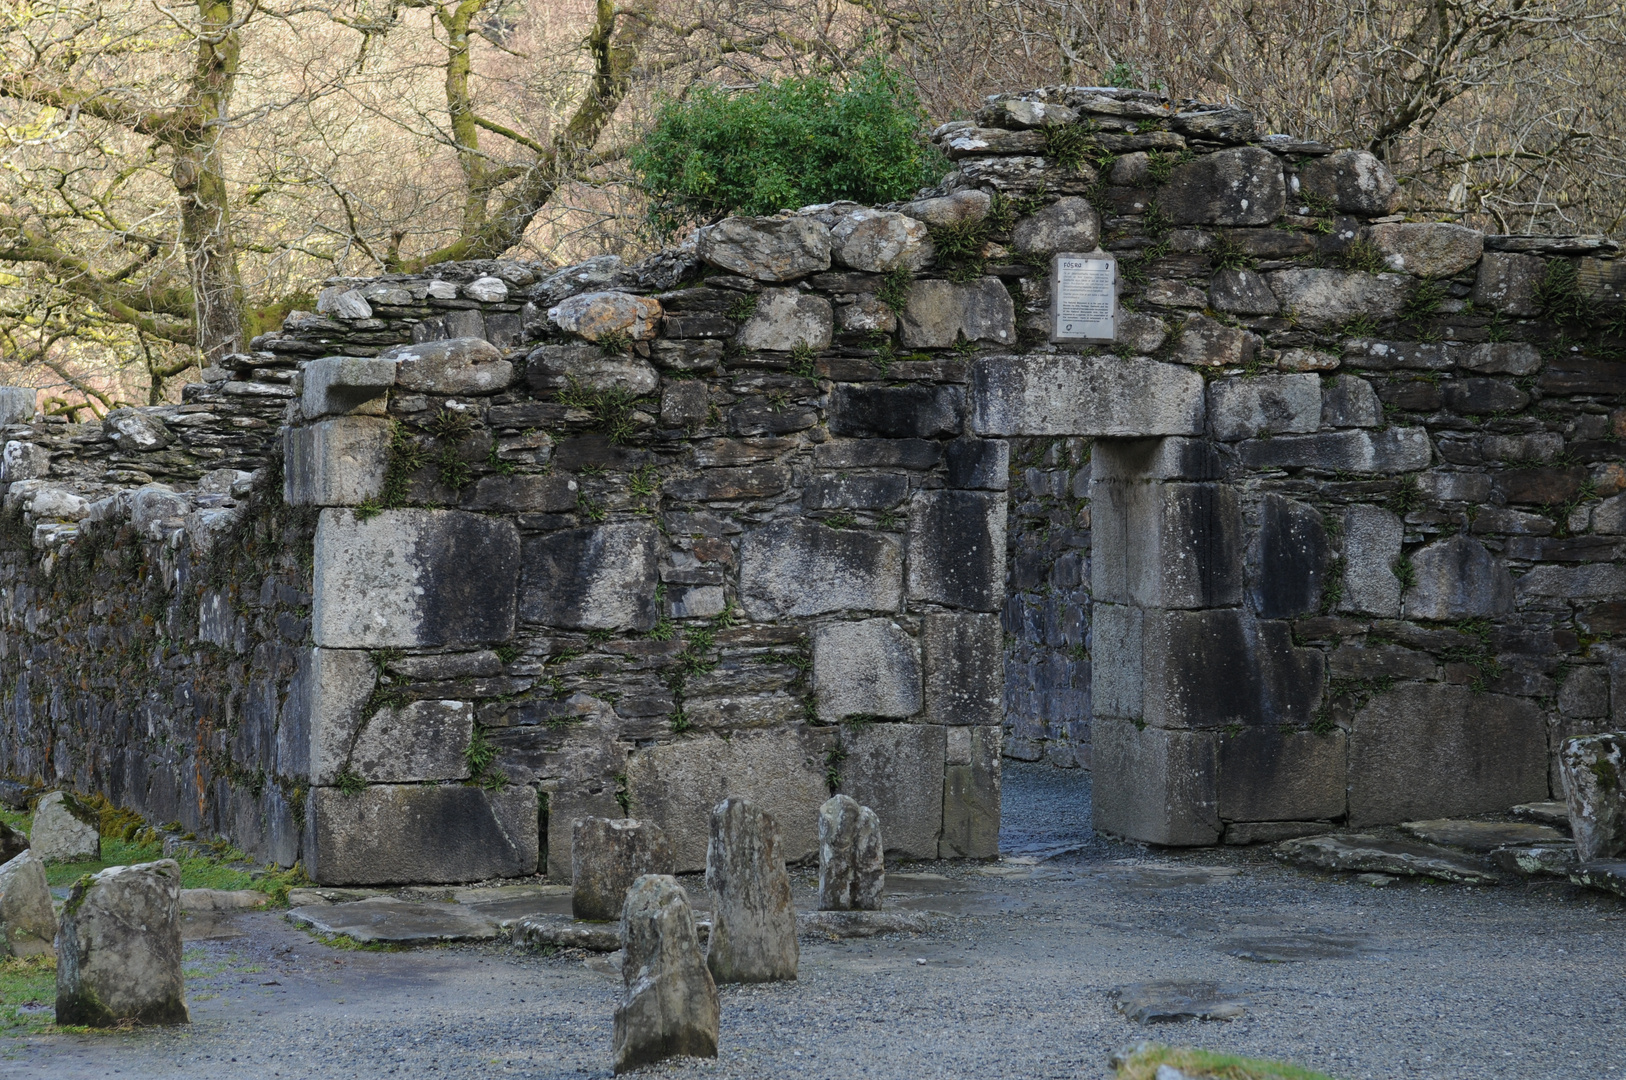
x=767 y=248
x=756 y=482
x=897 y=770
x=1136 y=460
x=1433 y=249
x=27 y=920
x=134 y=431
x=64 y=829
x=345 y=384
x=676 y=784
x=964 y=665
x=1153 y=785
x=957 y=549
x=1287 y=561
x=867 y=668
x=597 y=315
x=1075 y=395
x=971 y=796
x=753 y=930
x=17 y=404
x=876 y=241
x=422 y=740
x=1354 y=181
x=1458 y=579
x=1068 y=224
x=1350 y=401
x=1593 y=769
x=1268 y=775
x=1321 y=299
x=952 y=209
x=339 y=462
x=1372 y=537
x=1118 y=673
x=390 y=834
x=873 y=491
x=606 y=856
x=555 y=367
x=1213 y=669
x=685 y=403
x=1243 y=186
x=1206 y=342
x=938 y=313
x=119 y=949
x=23 y=461
x=326 y=707
x=852 y=867
x=525 y=493
x=1141 y=332
x=1166 y=545
x=669 y=1005
x=1508 y=283
x=1243 y=292
x=979 y=463
x=785 y=319
x=801 y=568
x=464 y=365
x=414 y=578
x=1432 y=750
x=1502 y=358
x=896 y=412
x=598 y=578
x=1392 y=451
x=1264 y=405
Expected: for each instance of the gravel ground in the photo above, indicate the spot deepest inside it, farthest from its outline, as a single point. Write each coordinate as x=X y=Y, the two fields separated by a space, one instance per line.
x=1410 y=980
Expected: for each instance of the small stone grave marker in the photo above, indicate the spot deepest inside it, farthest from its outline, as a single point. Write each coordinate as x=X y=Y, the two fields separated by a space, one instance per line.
x=1083 y=297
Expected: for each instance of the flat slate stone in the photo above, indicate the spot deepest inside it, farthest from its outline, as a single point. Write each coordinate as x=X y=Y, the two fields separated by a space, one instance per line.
x=1609 y=876
x=562 y=932
x=1554 y=859
x=862 y=924
x=1555 y=814
x=1373 y=855
x=397 y=922
x=1480 y=835
x=1170 y=1000
x=1291 y=948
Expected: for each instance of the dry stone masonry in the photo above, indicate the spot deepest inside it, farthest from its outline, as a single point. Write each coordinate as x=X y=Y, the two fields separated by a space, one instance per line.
x=813 y=503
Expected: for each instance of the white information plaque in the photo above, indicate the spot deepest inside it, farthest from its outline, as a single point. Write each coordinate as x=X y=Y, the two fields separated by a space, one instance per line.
x=1083 y=298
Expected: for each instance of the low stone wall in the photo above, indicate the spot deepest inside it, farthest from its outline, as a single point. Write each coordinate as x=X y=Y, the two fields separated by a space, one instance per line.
x=1330 y=533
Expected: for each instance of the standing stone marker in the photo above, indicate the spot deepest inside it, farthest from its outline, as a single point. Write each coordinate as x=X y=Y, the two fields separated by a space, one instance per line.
x=64 y=830
x=1593 y=768
x=669 y=1004
x=119 y=949
x=26 y=917
x=1083 y=298
x=852 y=866
x=753 y=930
x=606 y=856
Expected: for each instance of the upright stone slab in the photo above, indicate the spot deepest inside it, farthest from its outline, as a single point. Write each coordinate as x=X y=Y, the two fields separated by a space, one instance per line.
x=64 y=830
x=27 y=920
x=606 y=856
x=852 y=866
x=669 y=1004
x=1593 y=769
x=119 y=950
x=753 y=931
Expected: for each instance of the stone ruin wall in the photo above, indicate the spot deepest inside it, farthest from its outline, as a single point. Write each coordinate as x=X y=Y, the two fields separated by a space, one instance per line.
x=624 y=539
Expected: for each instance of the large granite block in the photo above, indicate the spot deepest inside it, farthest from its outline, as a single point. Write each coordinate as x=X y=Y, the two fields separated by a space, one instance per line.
x=937 y=314
x=896 y=412
x=675 y=785
x=598 y=578
x=1269 y=775
x=1372 y=539
x=1287 y=561
x=338 y=462
x=957 y=549
x=1170 y=545
x=1154 y=785
x=1392 y=451
x=422 y=740
x=1458 y=579
x=1240 y=186
x=1430 y=750
x=414 y=578
x=389 y=834
x=793 y=568
x=867 y=668
x=971 y=794
x=1264 y=405
x=326 y=707
x=335 y=385
x=897 y=771
x=1076 y=395
x=1118 y=671
x=964 y=666
x=1214 y=669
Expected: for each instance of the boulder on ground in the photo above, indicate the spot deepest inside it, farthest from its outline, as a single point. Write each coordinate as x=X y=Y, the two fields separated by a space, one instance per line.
x=27 y=919
x=852 y=868
x=1593 y=768
x=64 y=830
x=119 y=949
x=669 y=1004
x=753 y=937
x=606 y=856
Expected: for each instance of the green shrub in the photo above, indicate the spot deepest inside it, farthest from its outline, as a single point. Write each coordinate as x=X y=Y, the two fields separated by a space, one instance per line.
x=786 y=144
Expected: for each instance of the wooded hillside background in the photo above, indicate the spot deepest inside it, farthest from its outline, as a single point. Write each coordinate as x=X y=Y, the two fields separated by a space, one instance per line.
x=177 y=178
